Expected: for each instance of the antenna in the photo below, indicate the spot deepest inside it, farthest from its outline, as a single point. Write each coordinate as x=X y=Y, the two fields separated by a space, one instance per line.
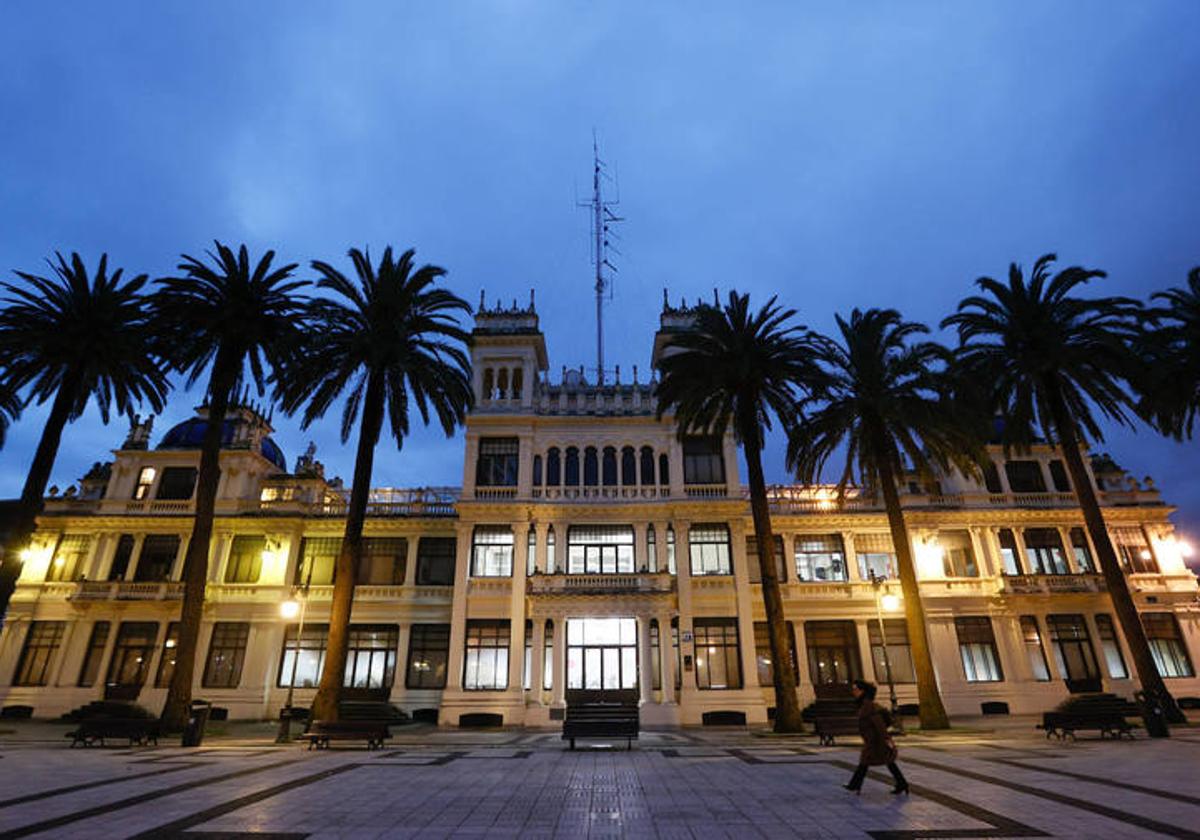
x=602 y=219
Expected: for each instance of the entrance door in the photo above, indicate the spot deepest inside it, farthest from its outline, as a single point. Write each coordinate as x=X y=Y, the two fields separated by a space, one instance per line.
x=602 y=660
x=833 y=660
x=130 y=661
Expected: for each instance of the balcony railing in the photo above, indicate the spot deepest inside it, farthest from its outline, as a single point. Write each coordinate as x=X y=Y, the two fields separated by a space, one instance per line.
x=800 y=500
x=1050 y=584
x=706 y=491
x=122 y=590
x=599 y=584
x=592 y=493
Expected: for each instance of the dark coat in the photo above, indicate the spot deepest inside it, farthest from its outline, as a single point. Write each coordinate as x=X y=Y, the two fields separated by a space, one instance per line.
x=878 y=747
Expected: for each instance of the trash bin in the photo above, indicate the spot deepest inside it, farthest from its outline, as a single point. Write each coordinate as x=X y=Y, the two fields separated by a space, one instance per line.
x=193 y=732
x=1154 y=716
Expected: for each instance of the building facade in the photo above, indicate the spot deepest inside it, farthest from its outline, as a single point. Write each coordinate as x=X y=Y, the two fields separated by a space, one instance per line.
x=589 y=546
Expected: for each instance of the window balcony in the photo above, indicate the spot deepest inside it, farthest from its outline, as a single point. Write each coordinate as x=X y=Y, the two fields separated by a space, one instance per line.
x=706 y=491
x=583 y=494
x=602 y=584
x=123 y=590
x=1051 y=584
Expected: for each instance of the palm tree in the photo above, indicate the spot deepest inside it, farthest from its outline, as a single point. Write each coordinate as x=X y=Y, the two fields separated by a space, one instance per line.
x=10 y=408
x=1050 y=360
x=70 y=339
x=384 y=340
x=224 y=318
x=736 y=368
x=886 y=399
x=1169 y=385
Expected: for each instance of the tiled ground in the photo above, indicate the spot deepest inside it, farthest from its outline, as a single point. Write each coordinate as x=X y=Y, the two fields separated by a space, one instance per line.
x=679 y=784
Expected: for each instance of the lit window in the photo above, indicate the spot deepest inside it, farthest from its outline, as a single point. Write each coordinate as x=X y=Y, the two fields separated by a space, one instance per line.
x=820 y=557
x=486 y=661
x=1032 y=637
x=1166 y=645
x=718 y=663
x=977 y=648
x=144 y=483
x=428 y=653
x=492 y=551
x=709 y=549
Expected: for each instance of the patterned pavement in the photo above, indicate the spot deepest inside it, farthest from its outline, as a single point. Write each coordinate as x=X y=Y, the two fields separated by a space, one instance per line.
x=677 y=784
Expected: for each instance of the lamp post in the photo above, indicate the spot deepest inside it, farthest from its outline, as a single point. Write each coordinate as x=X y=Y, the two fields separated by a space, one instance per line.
x=288 y=610
x=893 y=602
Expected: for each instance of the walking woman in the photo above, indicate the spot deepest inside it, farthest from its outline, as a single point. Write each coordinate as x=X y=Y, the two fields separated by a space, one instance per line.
x=878 y=746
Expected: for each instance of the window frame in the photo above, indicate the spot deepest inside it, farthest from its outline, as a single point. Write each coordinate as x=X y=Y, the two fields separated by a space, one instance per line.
x=722 y=633
x=973 y=644
x=428 y=640
x=38 y=651
x=228 y=639
x=486 y=552
x=698 y=558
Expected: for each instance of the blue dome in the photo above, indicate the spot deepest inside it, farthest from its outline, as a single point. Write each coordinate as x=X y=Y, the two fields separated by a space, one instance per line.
x=190 y=435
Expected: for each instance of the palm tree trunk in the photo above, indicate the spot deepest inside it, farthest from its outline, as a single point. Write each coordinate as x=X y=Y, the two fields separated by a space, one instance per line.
x=23 y=520
x=1114 y=577
x=929 y=698
x=325 y=704
x=787 y=705
x=195 y=562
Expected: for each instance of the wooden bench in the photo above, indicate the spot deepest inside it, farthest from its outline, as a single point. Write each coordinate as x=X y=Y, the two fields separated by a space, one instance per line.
x=321 y=732
x=829 y=727
x=832 y=716
x=92 y=731
x=1101 y=712
x=602 y=714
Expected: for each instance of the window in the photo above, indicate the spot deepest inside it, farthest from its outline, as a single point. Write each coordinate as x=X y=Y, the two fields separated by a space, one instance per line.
x=318 y=558
x=1083 y=555
x=245 y=558
x=1110 y=647
x=130 y=663
x=671 y=549
x=177 y=484
x=41 y=642
x=991 y=478
x=651 y=549
x=1058 y=474
x=591 y=467
x=492 y=551
x=655 y=656
x=158 y=556
x=762 y=653
x=718 y=664
x=664 y=472
x=628 y=467
x=97 y=642
x=303 y=657
x=602 y=653
x=550 y=559
x=553 y=467
x=537 y=470
x=1134 y=550
x=486 y=665
x=531 y=551
x=600 y=549
x=647 y=465
x=371 y=657
x=527 y=668
x=709 y=548
x=958 y=557
x=977 y=647
x=1044 y=548
x=1032 y=636
x=755 y=568
x=227 y=652
x=833 y=656
x=69 y=557
x=899 y=651
x=678 y=654
x=144 y=482
x=703 y=460
x=548 y=656
x=609 y=473
x=1166 y=645
x=435 y=561
x=497 y=464
x=384 y=561
x=428 y=654
x=168 y=656
x=1072 y=647
x=876 y=556
x=1009 y=563
x=571 y=469
x=820 y=557
x=1025 y=477
x=121 y=558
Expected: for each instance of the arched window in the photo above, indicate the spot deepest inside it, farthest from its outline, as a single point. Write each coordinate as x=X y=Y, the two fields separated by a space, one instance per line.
x=550 y=551
x=671 y=549
x=531 y=552
x=610 y=466
x=488 y=383
x=664 y=473
x=502 y=384
x=537 y=470
x=651 y=549
x=655 y=655
x=572 y=468
x=647 y=467
x=591 y=467
x=628 y=467
x=548 y=662
x=518 y=379
x=553 y=468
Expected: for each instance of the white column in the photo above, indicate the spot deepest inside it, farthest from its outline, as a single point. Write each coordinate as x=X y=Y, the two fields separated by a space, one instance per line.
x=666 y=655
x=560 y=661
x=978 y=545
x=543 y=531
x=1064 y=534
x=458 y=612
x=851 y=556
x=745 y=610
x=645 y=663
x=640 y=560
x=864 y=647
x=516 y=656
x=537 y=660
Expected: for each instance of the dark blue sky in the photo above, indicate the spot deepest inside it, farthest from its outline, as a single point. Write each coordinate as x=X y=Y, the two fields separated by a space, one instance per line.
x=886 y=157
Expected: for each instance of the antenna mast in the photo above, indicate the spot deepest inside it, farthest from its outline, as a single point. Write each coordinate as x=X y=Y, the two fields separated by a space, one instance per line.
x=602 y=218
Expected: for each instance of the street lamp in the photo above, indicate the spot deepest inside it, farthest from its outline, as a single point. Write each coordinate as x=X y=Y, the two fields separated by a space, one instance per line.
x=294 y=607
x=890 y=602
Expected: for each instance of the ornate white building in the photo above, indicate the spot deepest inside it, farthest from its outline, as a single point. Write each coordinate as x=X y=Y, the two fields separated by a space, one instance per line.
x=587 y=547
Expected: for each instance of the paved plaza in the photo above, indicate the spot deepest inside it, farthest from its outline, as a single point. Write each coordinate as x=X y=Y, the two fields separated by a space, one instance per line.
x=520 y=783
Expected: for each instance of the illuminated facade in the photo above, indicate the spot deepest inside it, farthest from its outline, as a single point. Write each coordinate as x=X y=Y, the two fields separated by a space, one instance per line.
x=587 y=547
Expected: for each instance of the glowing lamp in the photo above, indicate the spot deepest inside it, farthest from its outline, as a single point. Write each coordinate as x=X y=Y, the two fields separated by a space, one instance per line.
x=289 y=609
x=1185 y=549
x=1145 y=554
x=890 y=601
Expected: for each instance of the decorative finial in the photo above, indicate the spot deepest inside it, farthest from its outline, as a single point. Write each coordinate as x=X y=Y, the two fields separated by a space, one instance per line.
x=481 y=306
x=635 y=375
x=666 y=303
x=716 y=300
x=531 y=306
x=617 y=375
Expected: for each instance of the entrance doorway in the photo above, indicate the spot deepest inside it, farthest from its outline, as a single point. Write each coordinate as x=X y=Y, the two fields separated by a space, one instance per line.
x=602 y=654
